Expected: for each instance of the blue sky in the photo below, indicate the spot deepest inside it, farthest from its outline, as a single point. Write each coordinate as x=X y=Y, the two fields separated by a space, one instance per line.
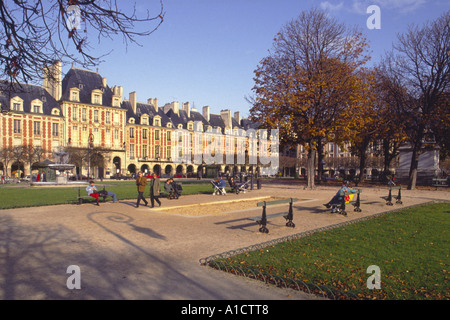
x=205 y=51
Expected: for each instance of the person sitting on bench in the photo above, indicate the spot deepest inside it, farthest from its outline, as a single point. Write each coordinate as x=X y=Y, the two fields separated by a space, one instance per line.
x=171 y=187
x=168 y=186
x=337 y=199
x=176 y=188
x=93 y=192
x=231 y=182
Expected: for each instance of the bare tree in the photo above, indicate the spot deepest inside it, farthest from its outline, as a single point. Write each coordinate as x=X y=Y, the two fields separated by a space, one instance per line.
x=420 y=65
x=32 y=154
x=6 y=155
x=34 y=34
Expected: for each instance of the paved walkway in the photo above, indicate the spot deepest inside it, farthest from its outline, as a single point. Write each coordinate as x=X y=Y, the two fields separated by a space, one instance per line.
x=139 y=253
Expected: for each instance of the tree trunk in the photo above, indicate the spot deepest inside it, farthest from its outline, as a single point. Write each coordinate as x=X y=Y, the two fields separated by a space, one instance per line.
x=320 y=157
x=362 y=165
x=311 y=167
x=413 y=169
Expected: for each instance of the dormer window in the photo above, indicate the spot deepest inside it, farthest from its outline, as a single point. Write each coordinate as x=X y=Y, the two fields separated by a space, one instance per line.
x=144 y=120
x=96 y=96
x=16 y=104
x=74 y=94
x=36 y=106
x=157 y=121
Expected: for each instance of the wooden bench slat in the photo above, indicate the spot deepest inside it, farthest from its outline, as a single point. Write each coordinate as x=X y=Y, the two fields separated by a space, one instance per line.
x=269 y=203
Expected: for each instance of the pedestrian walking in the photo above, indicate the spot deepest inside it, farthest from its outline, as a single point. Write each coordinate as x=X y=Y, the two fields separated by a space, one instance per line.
x=154 y=189
x=141 y=182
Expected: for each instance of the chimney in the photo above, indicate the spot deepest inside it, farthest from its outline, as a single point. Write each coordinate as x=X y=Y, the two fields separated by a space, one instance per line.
x=187 y=108
x=237 y=117
x=226 y=117
x=104 y=82
x=52 y=80
x=155 y=103
x=133 y=101
x=206 y=113
x=174 y=106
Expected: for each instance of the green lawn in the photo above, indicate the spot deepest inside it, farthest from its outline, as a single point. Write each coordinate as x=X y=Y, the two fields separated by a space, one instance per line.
x=411 y=248
x=21 y=195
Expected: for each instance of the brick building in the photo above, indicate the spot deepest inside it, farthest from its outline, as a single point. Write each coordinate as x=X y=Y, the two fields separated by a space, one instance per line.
x=108 y=135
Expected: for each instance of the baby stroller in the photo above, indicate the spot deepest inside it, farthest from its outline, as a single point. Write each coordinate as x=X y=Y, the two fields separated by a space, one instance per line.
x=219 y=187
x=240 y=187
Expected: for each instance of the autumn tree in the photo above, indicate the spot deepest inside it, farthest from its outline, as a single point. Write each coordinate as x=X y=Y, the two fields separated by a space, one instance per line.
x=420 y=65
x=391 y=133
x=34 y=34
x=359 y=125
x=308 y=81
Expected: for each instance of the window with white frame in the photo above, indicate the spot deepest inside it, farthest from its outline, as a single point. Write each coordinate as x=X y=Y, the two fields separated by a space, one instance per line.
x=55 y=129
x=37 y=128
x=131 y=150
x=75 y=94
x=17 y=126
x=144 y=151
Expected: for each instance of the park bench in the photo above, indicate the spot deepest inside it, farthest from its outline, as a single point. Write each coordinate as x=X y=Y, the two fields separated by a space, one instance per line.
x=355 y=202
x=440 y=183
x=85 y=196
x=262 y=220
x=398 y=197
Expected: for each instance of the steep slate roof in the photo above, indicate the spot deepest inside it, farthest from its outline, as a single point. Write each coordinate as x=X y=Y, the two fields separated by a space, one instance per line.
x=93 y=80
x=28 y=93
x=247 y=124
x=234 y=123
x=90 y=81
x=215 y=120
x=145 y=108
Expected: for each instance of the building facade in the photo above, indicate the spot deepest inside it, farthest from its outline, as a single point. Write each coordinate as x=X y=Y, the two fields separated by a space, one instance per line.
x=107 y=134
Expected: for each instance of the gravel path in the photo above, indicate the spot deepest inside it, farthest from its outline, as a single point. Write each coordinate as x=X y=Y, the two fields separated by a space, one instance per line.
x=125 y=252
